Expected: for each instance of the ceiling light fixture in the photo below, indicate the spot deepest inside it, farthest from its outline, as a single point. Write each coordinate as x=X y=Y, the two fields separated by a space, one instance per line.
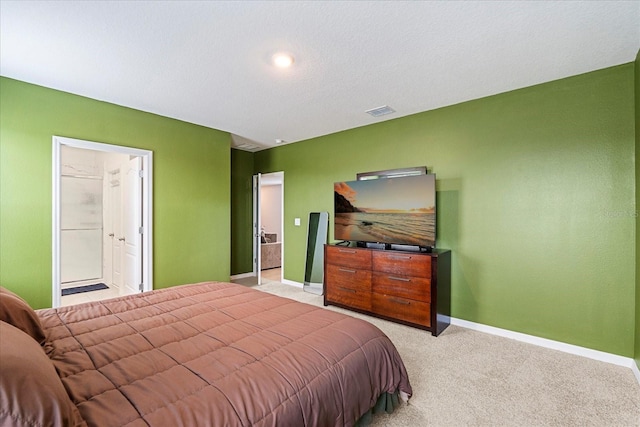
x=282 y=60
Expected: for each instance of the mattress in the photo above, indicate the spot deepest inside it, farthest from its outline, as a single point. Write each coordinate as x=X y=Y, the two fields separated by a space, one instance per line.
x=219 y=354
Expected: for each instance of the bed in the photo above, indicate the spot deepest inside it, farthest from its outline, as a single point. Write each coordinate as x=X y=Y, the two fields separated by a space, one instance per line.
x=216 y=354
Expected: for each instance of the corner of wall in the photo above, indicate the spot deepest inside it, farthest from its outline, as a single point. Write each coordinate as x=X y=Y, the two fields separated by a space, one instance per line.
x=637 y=167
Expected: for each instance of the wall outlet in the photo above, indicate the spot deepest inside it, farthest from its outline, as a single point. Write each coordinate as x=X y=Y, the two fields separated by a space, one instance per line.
x=296 y=222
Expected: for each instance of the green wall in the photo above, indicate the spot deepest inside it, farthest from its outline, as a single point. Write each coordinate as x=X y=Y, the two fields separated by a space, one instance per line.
x=534 y=187
x=191 y=187
x=241 y=211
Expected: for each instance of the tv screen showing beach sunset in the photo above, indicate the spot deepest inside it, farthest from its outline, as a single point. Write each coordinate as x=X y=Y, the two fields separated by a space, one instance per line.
x=387 y=210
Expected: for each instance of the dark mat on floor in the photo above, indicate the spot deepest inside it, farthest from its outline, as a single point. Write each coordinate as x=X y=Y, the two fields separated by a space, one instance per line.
x=81 y=289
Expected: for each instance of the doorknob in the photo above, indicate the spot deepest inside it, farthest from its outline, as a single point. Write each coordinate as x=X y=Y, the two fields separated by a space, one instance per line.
x=121 y=239
x=111 y=234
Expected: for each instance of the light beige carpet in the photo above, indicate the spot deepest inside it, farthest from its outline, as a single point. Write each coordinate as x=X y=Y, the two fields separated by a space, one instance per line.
x=468 y=378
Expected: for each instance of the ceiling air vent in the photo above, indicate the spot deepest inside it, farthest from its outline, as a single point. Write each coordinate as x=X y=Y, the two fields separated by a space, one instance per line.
x=246 y=147
x=380 y=111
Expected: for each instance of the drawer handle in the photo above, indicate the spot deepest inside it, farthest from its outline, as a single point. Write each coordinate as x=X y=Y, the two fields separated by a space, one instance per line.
x=399 y=257
x=346 y=270
x=399 y=301
x=347 y=251
x=346 y=289
x=400 y=279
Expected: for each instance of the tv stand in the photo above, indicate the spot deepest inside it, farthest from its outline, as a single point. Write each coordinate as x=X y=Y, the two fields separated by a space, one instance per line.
x=413 y=288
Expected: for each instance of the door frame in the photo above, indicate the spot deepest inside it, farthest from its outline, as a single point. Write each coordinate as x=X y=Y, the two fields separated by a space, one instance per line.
x=147 y=203
x=260 y=180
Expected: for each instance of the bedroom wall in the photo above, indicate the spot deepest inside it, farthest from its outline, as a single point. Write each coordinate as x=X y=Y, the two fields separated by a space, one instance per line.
x=191 y=185
x=241 y=211
x=533 y=186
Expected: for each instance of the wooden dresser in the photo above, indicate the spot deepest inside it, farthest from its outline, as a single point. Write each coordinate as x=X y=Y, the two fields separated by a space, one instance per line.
x=413 y=288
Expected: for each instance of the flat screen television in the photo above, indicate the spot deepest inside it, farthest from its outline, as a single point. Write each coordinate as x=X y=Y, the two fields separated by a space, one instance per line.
x=400 y=211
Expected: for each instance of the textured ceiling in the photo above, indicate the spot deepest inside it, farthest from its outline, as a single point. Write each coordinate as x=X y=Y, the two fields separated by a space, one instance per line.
x=209 y=62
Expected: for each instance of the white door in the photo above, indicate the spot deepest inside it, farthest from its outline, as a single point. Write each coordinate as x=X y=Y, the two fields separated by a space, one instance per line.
x=257 y=229
x=115 y=232
x=132 y=227
x=107 y=254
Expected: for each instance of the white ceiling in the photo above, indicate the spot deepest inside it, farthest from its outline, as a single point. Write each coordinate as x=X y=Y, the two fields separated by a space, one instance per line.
x=208 y=62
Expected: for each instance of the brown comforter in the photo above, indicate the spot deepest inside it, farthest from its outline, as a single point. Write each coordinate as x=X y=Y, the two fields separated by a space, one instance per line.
x=219 y=354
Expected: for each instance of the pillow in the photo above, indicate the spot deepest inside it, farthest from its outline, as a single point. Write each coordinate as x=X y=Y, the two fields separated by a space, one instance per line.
x=31 y=393
x=15 y=311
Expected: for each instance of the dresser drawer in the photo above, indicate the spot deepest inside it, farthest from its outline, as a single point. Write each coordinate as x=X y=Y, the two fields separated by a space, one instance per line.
x=402 y=263
x=415 y=288
x=353 y=258
x=347 y=277
x=402 y=309
x=356 y=298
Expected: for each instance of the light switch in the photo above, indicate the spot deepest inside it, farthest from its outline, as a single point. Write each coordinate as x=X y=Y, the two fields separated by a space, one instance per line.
x=296 y=222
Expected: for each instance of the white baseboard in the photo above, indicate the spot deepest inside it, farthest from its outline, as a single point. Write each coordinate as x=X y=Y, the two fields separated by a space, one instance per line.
x=292 y=283
x=555 y=345
x=636 y=370
x=242 y=276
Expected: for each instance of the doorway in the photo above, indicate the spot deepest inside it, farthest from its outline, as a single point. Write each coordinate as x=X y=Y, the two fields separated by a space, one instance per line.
x=268 y=229
x=101 y=219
